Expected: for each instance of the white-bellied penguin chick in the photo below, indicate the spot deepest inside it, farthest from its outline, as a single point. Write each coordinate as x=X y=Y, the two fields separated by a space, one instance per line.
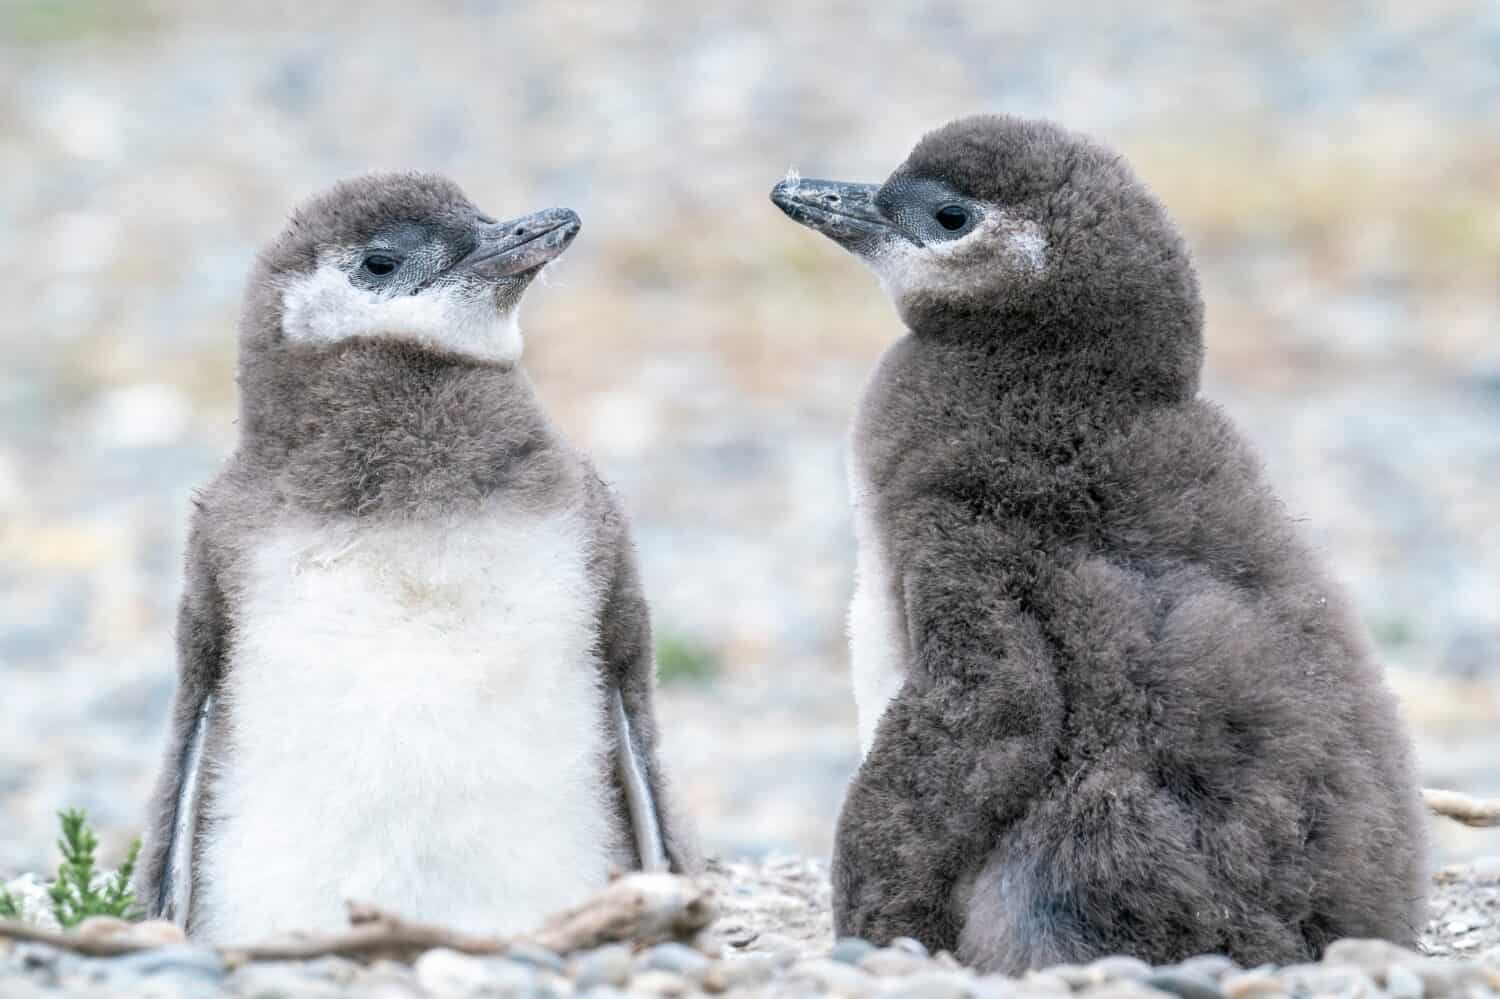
x=415 y=662
x=1108 y=700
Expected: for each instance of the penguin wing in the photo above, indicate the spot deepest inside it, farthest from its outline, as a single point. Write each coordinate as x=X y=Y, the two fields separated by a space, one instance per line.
x=661 y=839
x=165 y=879
x=961 y=751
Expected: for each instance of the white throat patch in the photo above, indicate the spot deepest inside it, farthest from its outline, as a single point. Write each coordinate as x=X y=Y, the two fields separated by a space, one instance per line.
x=999 y=243
x=324 y=307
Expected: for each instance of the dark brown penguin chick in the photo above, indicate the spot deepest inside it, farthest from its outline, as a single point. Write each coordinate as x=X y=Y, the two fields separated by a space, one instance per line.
x=1109 y=700
x=415 y=661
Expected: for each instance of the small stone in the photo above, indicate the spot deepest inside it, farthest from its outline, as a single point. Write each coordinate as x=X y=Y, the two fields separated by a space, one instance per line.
x=21 y=987
x=444 y=972
x=677 y=958
x=1125 y=990
x=889 y=962
x=602 y=966
x=778 y=944
x=997 y=987
x=1119 y=968
x=389 y=989
x=660 y=983
x=1402 y=983
x=535 y=955
x=604 y=992
x=38 y=957
x=552 y=985
x=1211 y=966
x=850 y=950
x=280 y=981
x=832 y=977
x=1252 y=985
x=181 y=959
x=1076 y=975
x=447 y=972
x=1046 y=981
x=1373 y=957
x=938 y=985
x=910 y=945
x=740 y=971
x=1187 y=984
x=1489 y=969
x=157 y=932
x=1327 y=979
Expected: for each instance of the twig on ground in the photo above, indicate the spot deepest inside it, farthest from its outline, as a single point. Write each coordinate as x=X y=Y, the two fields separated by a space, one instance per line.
x=640 y=908
x=78 y=943
x=644 y=908
x=1478 y=812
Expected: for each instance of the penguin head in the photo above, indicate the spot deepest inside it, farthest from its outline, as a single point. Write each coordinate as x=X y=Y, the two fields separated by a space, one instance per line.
x=403 y=256
x=1013 y=233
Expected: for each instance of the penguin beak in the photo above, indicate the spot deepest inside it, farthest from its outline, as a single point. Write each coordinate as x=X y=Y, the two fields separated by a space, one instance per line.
x=521 y=245
x=845 y=213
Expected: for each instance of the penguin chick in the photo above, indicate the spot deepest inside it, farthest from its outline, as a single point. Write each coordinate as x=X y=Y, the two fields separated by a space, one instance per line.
x=415 y=661
x=1108 y=701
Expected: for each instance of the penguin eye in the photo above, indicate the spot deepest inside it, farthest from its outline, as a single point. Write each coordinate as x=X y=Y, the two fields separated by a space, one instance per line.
x=952 y=217
x=380 y=264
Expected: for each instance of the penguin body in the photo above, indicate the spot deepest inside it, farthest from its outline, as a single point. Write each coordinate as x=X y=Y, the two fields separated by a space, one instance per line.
x=1109 y=702
x=415 y=661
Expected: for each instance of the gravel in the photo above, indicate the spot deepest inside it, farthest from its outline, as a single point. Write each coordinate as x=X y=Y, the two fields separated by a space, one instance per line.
x=705 y=351
x=773 y=938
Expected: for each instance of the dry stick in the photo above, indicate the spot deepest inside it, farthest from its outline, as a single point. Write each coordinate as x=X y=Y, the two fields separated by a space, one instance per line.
x=642 y=908
x=1478 y=812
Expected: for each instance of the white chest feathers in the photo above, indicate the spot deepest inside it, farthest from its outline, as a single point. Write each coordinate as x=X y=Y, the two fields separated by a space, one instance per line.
x=877 y=634
x=415 y=721
x=323 y=307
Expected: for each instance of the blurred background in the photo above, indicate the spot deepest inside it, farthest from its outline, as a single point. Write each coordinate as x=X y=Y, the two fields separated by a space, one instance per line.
x=1336 y=167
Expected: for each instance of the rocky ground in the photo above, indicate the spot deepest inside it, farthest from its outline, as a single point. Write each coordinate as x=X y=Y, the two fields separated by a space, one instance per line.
x=773 y=937
x=1336 y=167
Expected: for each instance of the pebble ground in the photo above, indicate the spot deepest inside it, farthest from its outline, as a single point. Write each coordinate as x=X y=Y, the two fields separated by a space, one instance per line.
x=773 y=937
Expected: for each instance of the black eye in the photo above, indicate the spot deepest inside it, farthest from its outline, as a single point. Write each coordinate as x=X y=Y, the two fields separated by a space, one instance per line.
x=380 y=265
x=952 y=217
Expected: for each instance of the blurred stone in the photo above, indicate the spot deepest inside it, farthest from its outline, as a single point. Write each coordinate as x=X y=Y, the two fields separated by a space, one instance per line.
x=660 y=983
x=525 y=952
x=1252 y=985
x=1185 y=984
x=740 y=971
x=676 y=958
x=851 y=950
x=938 y=985
x=609 y=965
x=1118 y=968
x=832 y=977
x=888 y=962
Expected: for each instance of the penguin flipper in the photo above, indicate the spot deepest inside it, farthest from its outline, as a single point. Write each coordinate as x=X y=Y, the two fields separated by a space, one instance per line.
x=661 y=839
x=164 y=879
x=645 y=823
x=960 y=752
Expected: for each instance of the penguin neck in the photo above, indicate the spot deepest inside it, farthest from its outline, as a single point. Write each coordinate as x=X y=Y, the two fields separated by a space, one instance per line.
x=371 y=427
x=1003 y=418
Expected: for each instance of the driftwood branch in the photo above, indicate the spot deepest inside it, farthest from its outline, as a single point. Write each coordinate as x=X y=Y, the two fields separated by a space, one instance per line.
x=1478 y=812
x=78 y=943
x=642 y=908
